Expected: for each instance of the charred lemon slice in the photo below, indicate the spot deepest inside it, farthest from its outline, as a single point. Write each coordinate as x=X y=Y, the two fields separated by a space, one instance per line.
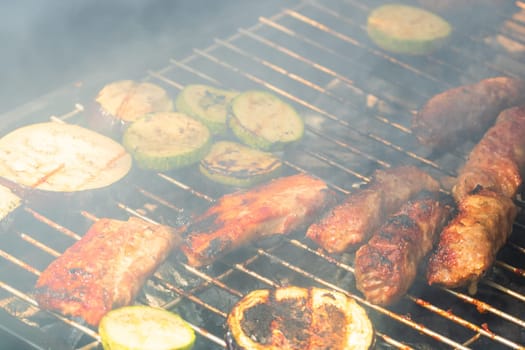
x=145 y=328
x=298 y=318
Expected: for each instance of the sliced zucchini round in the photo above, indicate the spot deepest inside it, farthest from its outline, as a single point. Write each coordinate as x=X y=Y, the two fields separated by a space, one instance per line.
x=407 y=29
x=206 y=103
x=262 y=120
x=298 y=318
x=163 y=141
x=141 y=327
x=231 y=163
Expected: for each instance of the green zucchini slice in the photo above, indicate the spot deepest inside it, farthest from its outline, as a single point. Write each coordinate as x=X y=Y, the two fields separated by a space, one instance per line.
x=407 y=29
x=206 y=103
x=234 y=164
x=163 y=141
x=141 y=327
x=261 y=120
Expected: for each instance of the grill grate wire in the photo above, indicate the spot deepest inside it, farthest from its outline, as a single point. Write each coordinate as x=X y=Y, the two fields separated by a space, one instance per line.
x=383 y=141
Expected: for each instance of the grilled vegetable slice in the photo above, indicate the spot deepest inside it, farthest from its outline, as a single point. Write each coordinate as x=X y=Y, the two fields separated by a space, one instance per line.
x=141 y=327
x=234 y=164
x=121 y=102
x=407 y=29
x=261 y=120
x=163 y=141
x=61 y=158
x=298 y=318
x=206 y=103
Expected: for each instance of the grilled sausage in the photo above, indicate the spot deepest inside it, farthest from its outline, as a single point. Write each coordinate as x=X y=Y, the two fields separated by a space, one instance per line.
x=465 y=111
x=470 y=242
x=105 y=269
x=351 y=222
x=386 y=266
x=278 y=207
x=497 y=162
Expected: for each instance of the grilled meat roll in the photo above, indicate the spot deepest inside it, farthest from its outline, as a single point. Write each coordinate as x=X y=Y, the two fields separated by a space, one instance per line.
x=465 y=111
x=105 y=269
x=352 y=222
x=296 y=318
x=278 y=207
x=497 y=162
x=469 y=244
x=386 y=266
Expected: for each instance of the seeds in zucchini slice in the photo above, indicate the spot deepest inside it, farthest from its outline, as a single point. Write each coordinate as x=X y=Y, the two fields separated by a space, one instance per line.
x=407 y=29
x=141 y=327
x=234 y=164
x=163 y=141
x=206 y=103
x=261 y=120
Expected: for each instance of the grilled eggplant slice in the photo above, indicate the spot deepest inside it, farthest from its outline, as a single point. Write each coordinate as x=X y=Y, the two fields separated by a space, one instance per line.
x=298 y=318
x=57 y=157
x=140 y=327
x=208 y=104
x=407 y=29
x=234 y=164
x=163 y=141
x=121 y=102
x=261 y=120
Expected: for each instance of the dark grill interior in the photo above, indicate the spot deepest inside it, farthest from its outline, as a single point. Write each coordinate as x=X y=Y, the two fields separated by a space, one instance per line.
x=357 y=102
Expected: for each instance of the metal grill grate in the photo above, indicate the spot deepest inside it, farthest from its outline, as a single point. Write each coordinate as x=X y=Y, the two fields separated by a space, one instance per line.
x=357 y=102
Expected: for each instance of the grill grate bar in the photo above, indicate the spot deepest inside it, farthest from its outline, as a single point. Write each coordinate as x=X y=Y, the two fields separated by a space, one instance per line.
x=355 y=42
x=32 y=302
x=466 y=324
x=319 y=110
x=320 y=67
x=307 y=83
x=391 y=314
x=484 y=307
x=432 y=59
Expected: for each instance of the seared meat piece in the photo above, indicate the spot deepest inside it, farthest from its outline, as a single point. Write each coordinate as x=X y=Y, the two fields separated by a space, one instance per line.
x=105 y=269
x=465 y=111
x=386 y=266
x=497 y=162
x=469 y=244
x=352 y=222
x=278 y=207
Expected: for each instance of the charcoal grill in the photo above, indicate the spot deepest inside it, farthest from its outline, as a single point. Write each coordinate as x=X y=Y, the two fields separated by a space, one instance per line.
x=357 y=102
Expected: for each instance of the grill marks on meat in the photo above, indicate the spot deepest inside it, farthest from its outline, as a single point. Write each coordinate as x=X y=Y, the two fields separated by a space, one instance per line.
x=353 y=221
x=465 y=111
x=387 y=265
x=278 y=207
x=105 y=269
x=469 y=244
x=497 y=162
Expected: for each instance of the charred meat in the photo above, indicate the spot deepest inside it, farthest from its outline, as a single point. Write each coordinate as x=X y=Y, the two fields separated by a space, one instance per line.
x=470 y=242
x=352 y=222
x=466 y=111
x=105 y=269
x=278 y=207
x=497 y=162
x=387 y=265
